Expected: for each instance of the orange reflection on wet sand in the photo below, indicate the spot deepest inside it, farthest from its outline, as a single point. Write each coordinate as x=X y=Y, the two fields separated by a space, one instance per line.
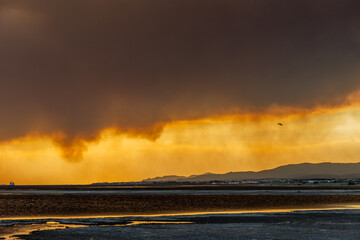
x=273 y=210
x=15 y=230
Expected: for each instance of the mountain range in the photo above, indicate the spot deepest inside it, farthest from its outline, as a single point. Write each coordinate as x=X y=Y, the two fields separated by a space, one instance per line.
x=324 y=170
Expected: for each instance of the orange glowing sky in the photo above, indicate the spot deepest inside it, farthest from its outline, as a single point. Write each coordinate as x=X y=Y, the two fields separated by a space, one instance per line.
x=123 y=90
x=218 y=144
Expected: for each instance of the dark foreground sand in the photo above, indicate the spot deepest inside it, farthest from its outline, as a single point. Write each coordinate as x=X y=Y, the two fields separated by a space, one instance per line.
x=326 y=224
x=21 y=205
x=321 y=225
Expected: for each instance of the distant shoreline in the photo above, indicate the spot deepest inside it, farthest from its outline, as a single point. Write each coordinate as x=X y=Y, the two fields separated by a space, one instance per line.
x=193 y=187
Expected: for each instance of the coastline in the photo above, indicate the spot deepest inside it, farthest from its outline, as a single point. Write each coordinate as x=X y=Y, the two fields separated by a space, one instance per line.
x=311 y=224
x=224 y=214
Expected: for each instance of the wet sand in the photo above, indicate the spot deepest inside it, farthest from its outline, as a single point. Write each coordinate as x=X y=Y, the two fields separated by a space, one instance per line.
x=326 y=224
x=39 y=210
x=16 y=205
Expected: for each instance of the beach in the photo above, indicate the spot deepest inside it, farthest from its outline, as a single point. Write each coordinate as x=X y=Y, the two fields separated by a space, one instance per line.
x=99 y=204
x=323 y=224
x=185 y=213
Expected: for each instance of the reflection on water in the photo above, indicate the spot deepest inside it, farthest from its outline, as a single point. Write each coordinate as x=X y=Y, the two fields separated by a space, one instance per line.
x=10 y=232
x=149 y=222
x=265 y=210
x=15 y=230
x=27 y=229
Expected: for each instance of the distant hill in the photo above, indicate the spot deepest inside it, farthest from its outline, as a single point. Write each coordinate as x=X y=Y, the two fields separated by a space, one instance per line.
x=291 y=171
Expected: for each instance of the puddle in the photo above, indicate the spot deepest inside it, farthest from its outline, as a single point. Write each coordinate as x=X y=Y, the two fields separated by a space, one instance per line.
x=151 y=222
x=15 y=230
x=11 y=231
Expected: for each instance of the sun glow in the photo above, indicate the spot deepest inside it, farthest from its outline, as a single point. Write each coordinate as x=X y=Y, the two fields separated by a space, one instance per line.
x=217 y=144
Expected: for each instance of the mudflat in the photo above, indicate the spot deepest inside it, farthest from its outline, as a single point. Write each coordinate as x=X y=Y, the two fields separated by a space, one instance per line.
x=64 y=212
x=319 y=225
x=19 y=205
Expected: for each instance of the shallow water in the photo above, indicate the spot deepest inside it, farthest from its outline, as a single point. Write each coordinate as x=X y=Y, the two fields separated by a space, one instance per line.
x=27 y=229
x=11 y=226
x=325 y=207
x=11 y=232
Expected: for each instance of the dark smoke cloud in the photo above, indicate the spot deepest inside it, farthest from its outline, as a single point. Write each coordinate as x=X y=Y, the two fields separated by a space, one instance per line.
x=83 y=65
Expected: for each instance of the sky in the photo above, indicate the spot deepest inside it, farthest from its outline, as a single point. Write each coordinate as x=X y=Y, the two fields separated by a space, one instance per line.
x=122 y=90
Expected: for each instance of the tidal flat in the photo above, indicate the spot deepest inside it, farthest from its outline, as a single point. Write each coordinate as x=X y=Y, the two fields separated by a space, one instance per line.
x=222 y=213
x=319 y=224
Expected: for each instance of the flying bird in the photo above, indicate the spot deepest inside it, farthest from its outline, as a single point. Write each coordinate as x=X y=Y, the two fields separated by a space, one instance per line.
x=280 y=124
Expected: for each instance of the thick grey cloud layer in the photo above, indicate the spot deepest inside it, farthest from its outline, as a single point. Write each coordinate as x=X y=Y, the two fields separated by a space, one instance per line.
x=79 y=66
